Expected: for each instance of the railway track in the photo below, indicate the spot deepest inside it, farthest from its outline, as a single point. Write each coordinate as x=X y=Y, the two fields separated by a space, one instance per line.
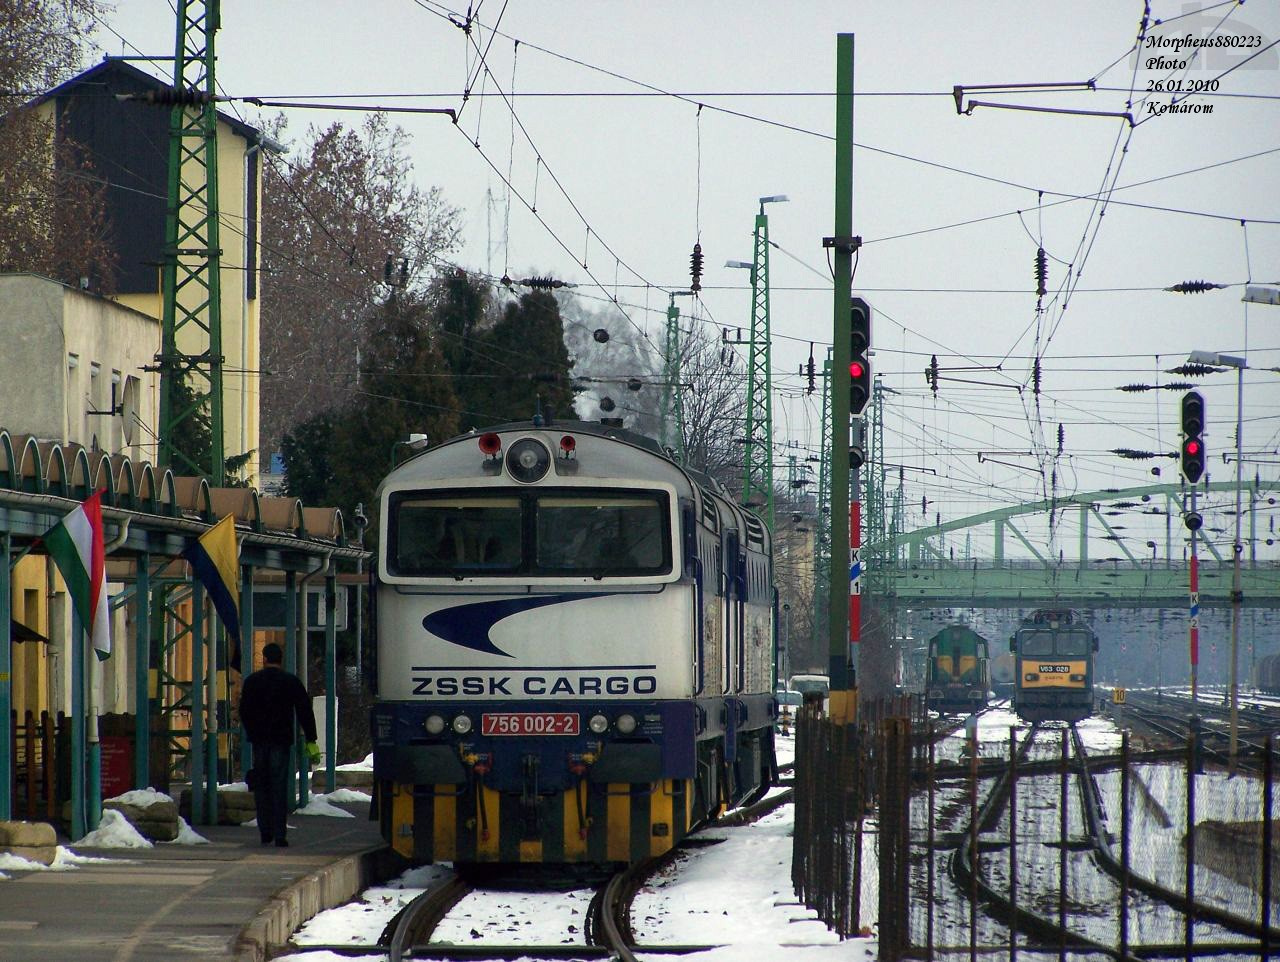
x=1081 y=855
x=605 y=933
x=1171 y=721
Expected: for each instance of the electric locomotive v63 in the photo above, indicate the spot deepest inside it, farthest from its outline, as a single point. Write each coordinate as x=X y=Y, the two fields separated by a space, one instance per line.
x=1053 y=652
x=958 y=676
x=575 y=649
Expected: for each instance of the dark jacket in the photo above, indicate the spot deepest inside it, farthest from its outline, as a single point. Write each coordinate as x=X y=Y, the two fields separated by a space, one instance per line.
x=269 y=700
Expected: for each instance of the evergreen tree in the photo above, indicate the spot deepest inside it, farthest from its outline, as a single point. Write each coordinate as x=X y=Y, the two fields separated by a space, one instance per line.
x=526 y=349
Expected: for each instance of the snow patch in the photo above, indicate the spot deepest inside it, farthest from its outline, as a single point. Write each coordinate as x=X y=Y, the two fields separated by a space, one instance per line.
x=114 y=831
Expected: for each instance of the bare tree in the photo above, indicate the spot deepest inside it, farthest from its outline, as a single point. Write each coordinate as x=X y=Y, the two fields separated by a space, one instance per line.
x=344 y=227
x=53 y=216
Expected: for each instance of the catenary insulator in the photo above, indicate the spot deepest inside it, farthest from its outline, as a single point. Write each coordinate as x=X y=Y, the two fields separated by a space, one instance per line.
x=1042 y=272
x=695 y=268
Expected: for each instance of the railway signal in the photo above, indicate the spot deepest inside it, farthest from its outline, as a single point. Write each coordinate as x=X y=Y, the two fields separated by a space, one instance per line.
x=859 y=356
x=1192 y=436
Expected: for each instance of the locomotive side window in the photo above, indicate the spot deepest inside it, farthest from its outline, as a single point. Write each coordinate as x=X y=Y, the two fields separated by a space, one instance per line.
x=603 y=534
x=442 y=535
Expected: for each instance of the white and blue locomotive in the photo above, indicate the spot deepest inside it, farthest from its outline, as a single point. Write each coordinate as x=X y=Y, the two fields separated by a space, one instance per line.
x=575 y=649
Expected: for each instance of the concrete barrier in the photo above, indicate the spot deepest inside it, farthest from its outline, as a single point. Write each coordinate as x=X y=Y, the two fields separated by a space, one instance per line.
x=335 y=884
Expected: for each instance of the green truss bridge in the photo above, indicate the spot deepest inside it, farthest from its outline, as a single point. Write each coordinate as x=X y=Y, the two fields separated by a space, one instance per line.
x=921 y=571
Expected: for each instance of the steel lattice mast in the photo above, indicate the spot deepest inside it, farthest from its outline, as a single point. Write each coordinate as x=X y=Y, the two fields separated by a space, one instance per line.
x=191 y=334
x=672 y=408
x=757 y=473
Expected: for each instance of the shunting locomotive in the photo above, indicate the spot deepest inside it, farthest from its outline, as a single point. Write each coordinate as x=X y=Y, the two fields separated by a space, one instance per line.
x=575 y=649
x=1053 y=652
x=958 y=678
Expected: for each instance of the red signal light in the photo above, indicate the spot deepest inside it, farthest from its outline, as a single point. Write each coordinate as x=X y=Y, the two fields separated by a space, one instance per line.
x=1193 y=447
x=490 y=444
x=856 y=369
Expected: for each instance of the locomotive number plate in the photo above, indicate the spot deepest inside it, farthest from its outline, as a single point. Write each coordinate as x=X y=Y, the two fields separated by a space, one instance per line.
x=530 y=723
x=1055 y=669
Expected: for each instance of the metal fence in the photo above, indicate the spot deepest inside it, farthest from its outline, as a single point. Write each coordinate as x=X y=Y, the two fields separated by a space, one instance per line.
x=946 y=846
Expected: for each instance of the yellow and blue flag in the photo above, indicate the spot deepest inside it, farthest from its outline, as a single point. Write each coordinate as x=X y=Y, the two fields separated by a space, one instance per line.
x=214 y=558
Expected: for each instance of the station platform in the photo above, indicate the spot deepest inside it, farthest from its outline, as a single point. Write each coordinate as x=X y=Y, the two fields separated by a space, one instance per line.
x=231 y=899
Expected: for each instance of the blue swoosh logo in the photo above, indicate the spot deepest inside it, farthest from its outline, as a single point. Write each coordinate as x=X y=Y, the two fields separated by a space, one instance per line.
x=468 y=625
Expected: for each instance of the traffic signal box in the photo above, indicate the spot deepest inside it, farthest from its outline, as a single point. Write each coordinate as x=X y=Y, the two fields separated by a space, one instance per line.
x=859 y=356
x=1192 y=436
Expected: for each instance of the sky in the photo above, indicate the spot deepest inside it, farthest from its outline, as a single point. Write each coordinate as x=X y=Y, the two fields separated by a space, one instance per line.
x=712 y=106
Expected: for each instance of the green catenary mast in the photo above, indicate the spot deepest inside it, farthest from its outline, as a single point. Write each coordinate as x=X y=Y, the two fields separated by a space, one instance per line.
x=757 y=473
x=191 y=333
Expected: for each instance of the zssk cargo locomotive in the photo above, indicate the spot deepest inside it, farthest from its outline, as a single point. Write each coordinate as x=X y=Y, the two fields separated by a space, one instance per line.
x=958 y=678
x=575 y=649
x=1053 y=651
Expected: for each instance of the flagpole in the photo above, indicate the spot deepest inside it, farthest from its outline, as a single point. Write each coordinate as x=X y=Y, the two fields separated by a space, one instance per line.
x=93 y=810
x=211 y=728
x=78 y=830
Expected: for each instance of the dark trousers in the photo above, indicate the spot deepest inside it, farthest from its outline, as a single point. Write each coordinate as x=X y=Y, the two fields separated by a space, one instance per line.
x=271 y=763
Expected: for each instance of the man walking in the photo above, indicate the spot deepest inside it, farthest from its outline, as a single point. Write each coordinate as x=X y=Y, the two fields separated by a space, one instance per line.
x=270 y=699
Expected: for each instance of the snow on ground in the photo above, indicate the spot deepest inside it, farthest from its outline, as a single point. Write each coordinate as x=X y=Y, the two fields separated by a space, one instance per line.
x=735 y=894
x=349 y=795
x=320 y=805
x=517 y=918
x=361 y=922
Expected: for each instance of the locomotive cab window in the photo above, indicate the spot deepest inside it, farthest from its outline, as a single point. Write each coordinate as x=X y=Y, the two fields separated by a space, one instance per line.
x=1037 y=643
x=1074 y=643
x=603 y=533
x=594 y=533
x=442 y=535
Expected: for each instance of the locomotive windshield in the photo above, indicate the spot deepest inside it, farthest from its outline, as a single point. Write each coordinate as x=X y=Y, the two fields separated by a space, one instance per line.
x=597 y=533
x=601 y=533
x=1075 y=644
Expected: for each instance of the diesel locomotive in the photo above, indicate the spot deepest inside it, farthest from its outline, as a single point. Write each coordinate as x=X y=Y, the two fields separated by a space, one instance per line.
x=575 y=649
x=1053 y=651
x=958 y=676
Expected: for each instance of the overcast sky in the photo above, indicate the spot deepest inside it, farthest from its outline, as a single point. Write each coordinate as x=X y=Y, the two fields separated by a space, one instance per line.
x=650 y=175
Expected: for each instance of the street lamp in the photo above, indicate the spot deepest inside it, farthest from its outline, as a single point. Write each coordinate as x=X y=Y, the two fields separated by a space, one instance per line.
x=1237 y=596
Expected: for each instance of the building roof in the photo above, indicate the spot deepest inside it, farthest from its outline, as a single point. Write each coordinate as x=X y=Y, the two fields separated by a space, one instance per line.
x=123 y=68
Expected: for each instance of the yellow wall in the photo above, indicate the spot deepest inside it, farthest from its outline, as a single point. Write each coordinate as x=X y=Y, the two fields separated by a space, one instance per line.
x=240 y=345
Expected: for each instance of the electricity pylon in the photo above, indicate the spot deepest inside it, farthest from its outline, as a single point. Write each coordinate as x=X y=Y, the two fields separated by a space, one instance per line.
x=190 y=357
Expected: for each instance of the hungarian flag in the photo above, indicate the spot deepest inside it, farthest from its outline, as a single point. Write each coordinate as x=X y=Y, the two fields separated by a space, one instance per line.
x=75 y=544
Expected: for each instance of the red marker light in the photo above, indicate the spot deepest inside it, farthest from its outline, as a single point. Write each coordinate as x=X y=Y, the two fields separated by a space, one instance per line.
x=490 y=444
x=568 y=444
x=855 y=369
x=1193 y=447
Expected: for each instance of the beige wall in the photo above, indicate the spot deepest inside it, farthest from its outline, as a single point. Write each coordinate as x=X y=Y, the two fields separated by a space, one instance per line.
x=64 y=349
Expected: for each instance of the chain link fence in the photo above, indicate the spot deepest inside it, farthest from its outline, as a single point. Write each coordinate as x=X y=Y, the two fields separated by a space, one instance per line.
x=947 y=843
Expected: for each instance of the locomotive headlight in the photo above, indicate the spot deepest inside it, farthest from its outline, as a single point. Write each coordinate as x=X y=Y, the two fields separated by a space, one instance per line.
x=434 y=724
x=626 y=724
x=528 y=460
x=598 y=724
x=462 y=724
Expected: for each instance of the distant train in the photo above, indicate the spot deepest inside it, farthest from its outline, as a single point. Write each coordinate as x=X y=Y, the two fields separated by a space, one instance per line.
x=957 y=677
x=1054 y=651
x=1266 y=675
x=575 y=649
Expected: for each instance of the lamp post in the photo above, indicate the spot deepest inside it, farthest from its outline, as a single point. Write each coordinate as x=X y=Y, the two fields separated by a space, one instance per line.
x=1237 y=595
